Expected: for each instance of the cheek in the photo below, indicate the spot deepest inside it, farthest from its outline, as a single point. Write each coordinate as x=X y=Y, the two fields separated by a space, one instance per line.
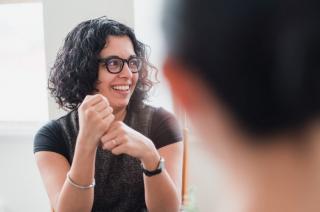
x=102 y=87
x=104 y=80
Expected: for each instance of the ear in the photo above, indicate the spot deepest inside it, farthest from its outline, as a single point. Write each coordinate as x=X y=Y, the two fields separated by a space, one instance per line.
x=185 y=86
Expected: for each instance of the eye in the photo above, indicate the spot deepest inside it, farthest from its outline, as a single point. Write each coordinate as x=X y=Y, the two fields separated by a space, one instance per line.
x=112 y=63
x=135 y=63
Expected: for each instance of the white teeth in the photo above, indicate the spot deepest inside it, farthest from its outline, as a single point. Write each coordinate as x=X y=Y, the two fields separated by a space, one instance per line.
x=121 y=87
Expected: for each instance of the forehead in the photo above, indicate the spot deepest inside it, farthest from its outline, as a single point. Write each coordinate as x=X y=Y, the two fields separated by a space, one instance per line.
x=117 y=46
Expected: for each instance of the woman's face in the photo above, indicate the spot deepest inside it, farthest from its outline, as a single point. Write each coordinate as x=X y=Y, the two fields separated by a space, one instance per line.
x=119 y=87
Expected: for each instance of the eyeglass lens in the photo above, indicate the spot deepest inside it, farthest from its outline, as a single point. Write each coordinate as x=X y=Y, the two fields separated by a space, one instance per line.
x=115 y=65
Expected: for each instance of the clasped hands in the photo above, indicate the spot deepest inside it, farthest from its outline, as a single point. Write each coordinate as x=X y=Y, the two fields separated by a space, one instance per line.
x=97 y=126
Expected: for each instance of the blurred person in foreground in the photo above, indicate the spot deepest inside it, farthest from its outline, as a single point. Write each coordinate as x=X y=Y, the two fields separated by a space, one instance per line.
x=108 y=152
x=248 y=75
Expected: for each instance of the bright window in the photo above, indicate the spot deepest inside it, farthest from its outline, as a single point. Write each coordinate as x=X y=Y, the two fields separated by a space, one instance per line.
x=22 y=63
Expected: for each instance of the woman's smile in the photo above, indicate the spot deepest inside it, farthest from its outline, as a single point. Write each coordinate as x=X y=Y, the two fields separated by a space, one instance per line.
x=123 y=89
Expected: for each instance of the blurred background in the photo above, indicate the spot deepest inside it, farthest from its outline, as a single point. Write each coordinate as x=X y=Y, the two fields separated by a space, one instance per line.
x=31 y=32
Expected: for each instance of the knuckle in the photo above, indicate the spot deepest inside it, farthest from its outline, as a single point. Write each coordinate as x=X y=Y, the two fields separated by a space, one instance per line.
x=120 y=131
x=105 y=99
x=127 y=146
x=84 y=105
x=100 y=96
x=109 y=119
x=122 y=125
x=105 y=146
x=86 y=98
x=125 y=137
x=115 y=152
x=117 y=124
x=97 y=95
x=88 y=112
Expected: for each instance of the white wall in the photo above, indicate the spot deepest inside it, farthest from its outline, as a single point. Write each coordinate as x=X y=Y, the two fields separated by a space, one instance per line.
x=21 y=186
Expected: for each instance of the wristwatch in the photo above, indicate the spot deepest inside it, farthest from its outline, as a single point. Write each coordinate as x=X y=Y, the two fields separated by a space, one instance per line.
x=158 y=170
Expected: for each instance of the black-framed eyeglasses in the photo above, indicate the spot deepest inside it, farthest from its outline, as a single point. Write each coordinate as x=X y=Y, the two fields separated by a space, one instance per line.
x=114 y=64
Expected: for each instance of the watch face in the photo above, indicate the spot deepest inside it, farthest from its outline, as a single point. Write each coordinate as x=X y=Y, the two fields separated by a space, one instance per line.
x=161 y=163
x=158 y=170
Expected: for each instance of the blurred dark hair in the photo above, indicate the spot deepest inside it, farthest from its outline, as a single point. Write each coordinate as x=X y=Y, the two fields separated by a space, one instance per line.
x=75 y=71
x=261 y=57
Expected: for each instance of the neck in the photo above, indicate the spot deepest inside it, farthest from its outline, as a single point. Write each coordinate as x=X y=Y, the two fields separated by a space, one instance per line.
x=119 y=113
x=282 y=176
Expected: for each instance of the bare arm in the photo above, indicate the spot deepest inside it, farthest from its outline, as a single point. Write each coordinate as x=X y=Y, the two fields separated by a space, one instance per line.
x=63 y=196
x=95 y=117
x=163 y=191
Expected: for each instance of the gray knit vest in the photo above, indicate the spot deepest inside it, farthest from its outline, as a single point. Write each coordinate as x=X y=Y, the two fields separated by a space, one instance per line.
x=119 y=180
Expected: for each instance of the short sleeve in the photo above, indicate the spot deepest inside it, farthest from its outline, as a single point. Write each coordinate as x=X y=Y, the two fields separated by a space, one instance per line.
x=49 y=138
x=165 y=129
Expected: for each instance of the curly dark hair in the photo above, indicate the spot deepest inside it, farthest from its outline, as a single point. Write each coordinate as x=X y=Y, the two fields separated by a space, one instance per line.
x=75 y=71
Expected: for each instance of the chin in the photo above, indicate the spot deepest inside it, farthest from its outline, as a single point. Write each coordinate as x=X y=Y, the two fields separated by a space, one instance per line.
x=119 y=104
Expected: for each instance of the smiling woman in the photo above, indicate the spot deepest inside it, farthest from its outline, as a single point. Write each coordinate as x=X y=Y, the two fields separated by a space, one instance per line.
x=117 y=79
x=93 y=158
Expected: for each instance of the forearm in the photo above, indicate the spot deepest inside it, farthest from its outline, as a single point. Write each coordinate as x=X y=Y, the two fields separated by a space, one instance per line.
x=81 y=172
x=160 y=191
x=161 y=194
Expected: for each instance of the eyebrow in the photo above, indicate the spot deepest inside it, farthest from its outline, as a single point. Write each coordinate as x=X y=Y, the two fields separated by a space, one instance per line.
x=130 y=56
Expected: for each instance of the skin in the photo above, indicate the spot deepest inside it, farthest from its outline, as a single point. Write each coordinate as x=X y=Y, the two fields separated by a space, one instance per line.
x=123 y=48
x=278 y=176
x=101 y=123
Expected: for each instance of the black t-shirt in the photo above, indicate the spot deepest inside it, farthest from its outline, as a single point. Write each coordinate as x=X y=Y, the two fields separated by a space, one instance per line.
x=119 y=178
x=164 y=131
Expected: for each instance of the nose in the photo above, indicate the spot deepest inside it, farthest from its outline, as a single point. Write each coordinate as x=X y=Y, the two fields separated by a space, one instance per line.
x=126 y=72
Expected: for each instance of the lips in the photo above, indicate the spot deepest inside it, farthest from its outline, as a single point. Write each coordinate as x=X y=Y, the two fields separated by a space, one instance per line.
x=121 y=87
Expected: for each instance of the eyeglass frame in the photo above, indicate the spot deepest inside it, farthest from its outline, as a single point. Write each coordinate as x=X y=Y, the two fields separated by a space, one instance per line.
x=105 y=62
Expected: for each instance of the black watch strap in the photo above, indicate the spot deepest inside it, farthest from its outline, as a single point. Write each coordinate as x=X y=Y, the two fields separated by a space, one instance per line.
x=158 y=170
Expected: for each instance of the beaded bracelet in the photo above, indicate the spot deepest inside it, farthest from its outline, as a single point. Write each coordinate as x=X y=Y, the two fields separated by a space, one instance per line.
x=71 y=182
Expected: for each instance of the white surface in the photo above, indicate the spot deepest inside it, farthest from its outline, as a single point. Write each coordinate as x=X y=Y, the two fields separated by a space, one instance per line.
x=21 y=185
x=22 y=63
